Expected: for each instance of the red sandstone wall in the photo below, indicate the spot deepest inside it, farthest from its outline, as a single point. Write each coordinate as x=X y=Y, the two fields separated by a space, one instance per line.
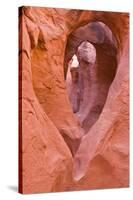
x=55 y=155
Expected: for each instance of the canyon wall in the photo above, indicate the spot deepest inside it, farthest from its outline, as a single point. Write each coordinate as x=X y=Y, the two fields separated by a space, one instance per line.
x=56 y=153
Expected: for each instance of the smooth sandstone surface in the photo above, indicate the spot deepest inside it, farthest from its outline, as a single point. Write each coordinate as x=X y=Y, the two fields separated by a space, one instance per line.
x=57 y=152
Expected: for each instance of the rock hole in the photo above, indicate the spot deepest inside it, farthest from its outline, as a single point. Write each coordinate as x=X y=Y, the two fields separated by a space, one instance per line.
x=90 y=67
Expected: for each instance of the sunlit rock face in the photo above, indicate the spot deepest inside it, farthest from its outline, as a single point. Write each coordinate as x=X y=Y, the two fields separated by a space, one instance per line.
x=72 y=83
x=69 y=143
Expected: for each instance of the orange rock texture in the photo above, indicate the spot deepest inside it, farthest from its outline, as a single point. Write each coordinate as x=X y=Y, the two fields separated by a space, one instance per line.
x=62 y=150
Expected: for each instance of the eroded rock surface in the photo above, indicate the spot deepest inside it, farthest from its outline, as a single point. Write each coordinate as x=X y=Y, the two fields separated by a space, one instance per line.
x=55 y=155
x=97 y=68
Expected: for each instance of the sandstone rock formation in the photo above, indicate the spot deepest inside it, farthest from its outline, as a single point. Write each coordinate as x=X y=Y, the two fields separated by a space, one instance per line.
x=95 y=76
x=72 y=83
x=56 y=153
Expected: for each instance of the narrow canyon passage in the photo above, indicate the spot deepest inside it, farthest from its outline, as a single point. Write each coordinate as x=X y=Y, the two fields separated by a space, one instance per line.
x=91 y=54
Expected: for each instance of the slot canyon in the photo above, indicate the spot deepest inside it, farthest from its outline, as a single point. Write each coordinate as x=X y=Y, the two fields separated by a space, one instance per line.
x=73 y=99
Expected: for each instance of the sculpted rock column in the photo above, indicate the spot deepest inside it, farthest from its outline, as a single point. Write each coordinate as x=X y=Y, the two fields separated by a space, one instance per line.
x=87 y=79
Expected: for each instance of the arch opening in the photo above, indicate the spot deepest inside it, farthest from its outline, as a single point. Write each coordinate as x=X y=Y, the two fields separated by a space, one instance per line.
x=90 y=66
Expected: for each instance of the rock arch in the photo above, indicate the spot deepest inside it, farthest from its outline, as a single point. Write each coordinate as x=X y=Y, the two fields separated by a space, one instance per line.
x=102 y=74
x=48 y=114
